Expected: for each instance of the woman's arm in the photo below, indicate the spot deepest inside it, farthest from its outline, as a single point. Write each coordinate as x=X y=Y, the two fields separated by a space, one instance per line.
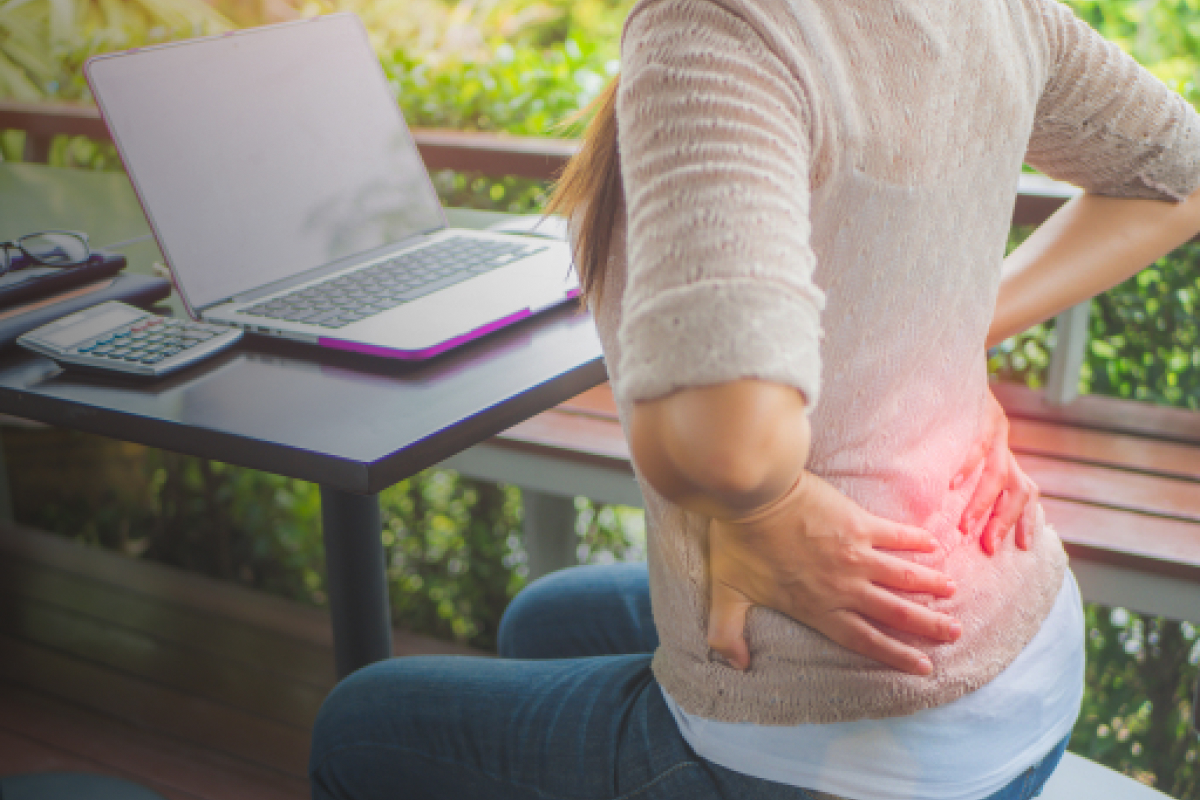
x=723 y=450
x=781 y=537
x=1089 y=245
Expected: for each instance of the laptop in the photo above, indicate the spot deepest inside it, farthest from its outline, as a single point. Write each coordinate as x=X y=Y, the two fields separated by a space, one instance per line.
x=289 y=199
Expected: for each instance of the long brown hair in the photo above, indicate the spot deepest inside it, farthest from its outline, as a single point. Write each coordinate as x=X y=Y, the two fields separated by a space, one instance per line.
x=590 y=191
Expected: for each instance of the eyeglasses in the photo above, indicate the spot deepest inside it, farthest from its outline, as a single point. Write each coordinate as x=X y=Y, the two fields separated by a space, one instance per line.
x=47 y=248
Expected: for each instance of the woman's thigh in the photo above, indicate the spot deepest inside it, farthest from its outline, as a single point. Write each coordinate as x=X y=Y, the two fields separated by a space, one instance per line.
x=596 y=610
x=500 y=729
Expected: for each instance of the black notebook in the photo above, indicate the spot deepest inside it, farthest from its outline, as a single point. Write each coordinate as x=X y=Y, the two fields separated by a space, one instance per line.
x=30 y=283
x=138 y=290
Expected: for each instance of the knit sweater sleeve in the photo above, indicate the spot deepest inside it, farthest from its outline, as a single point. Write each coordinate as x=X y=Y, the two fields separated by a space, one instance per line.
x=714 y=141
x=1104 y=122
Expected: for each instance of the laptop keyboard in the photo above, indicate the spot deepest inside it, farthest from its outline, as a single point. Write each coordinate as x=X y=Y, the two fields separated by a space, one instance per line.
x=357 y=295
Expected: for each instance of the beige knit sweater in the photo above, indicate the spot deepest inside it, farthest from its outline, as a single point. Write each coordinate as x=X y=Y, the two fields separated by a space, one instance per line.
x=851 y=165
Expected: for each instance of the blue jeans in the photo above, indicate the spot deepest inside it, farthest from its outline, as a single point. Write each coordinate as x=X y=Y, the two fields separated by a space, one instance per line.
x=570 y=712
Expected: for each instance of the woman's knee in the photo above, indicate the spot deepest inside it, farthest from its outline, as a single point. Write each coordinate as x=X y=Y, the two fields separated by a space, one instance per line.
x=346 y=714
x=528 y=613
x=557 y=615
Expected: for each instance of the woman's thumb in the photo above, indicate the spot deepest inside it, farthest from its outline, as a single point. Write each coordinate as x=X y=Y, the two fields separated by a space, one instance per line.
x=727 y=625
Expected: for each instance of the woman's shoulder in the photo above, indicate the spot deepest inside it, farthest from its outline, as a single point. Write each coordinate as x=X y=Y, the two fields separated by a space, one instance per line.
x=767 y=21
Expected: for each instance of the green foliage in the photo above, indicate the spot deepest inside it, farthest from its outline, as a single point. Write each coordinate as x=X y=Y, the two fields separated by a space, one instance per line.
x=1144 y=338
x=1163 y=34
x=43 y=43
x=520 y=91
x=1140 y=671
x=517 y=91
x=454 y=546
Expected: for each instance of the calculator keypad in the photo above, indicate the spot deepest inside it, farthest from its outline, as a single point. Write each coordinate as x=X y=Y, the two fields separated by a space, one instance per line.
x=148 y=340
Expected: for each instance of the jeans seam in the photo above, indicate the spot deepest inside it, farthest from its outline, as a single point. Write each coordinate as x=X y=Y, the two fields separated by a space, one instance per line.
x=488 y=775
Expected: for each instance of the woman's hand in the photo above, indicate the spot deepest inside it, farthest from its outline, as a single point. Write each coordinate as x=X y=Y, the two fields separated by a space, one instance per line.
x=813 y=555
x=1003 y=491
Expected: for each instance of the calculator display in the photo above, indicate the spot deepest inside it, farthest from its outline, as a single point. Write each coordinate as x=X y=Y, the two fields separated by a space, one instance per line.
x=73 y=333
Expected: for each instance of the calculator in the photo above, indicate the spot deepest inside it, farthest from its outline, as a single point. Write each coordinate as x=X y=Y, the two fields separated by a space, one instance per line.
x=116 y=337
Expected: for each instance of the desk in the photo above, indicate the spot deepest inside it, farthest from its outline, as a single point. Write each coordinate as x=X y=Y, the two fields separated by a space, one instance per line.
x=352 y=424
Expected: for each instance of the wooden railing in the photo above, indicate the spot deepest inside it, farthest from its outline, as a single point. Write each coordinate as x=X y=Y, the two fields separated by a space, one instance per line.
x=484 y=153
x=498 y=155
x=462 y=151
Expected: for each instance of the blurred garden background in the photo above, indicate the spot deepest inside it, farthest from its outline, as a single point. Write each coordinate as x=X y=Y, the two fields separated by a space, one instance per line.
x=455 y=545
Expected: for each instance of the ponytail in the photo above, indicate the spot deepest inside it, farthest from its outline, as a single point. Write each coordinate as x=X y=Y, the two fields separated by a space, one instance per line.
x=590 y=191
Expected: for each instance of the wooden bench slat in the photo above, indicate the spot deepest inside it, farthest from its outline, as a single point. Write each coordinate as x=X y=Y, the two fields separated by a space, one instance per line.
x=208 y=634
x=598 y=401
x=1117 y=450
x=1112 y=488
x=197 y=593
x=166 y=711
x=257 y=689
x=1127 y=539
x=579 y=437
x=1109 y=414
x=168 y=585
x=138 y=755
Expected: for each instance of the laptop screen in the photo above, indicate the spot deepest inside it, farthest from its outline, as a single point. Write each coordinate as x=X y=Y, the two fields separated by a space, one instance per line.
x=262 y=154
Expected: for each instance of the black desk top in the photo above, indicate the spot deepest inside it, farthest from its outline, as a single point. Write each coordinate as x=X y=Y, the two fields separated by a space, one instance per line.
x=349 y=422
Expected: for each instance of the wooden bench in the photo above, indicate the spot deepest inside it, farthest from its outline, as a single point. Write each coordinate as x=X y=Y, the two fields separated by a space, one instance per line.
x=1120 y=481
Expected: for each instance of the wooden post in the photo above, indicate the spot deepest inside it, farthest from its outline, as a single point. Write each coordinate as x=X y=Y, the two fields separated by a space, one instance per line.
x=1070 y=346
x=37 y=147
x=550 y=538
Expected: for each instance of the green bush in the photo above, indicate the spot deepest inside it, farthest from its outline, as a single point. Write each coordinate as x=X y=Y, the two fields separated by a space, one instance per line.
x=454 y=547
x=1144 y=338
x=1140 y=671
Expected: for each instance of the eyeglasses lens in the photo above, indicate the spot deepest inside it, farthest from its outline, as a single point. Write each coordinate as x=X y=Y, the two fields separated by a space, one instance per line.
x=56 y=249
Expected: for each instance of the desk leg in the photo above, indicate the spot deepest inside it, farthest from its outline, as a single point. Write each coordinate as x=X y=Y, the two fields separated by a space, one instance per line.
x=358 y=595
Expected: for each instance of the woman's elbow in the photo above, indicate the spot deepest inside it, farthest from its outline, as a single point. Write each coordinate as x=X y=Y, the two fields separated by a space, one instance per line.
x=732 y=444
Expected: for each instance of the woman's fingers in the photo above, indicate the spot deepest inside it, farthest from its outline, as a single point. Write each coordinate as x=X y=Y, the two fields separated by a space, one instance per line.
x=991 y=484
x=993 y=418
x=894 y=536
x=727 y=624
x=1008 y=511
x=1027 y=521
x=975 y=455
x=883 y=606
x=853 y=632
x=896 y=573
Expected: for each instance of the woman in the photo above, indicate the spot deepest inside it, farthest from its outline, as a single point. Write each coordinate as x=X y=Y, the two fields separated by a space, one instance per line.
x=796 y=268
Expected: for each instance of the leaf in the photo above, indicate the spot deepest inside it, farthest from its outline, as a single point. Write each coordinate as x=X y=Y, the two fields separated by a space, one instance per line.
x=15 y=83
